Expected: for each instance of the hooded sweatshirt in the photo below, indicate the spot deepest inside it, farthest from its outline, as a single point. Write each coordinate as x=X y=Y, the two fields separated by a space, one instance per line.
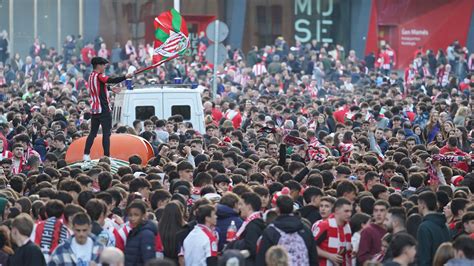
x=225 y=215
x=431 y=233
x=288 y=224
x=311 y=213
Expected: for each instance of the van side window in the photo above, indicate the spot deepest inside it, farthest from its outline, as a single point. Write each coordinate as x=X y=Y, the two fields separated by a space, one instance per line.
x=184 y=110
x=144 y=112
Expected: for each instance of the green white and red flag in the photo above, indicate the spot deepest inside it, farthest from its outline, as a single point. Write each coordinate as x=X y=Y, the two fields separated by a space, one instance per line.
x=171 y=38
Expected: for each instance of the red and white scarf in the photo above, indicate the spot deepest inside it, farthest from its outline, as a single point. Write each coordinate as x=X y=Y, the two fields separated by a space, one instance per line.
x=213 y=239
x=253 y=216
x=346 y=150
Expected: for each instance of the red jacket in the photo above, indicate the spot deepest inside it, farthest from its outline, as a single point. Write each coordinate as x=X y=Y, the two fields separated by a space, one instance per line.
x=383 y=60
x=340 y=114
x=87 y=54
x=217 y=115
x=410 y=115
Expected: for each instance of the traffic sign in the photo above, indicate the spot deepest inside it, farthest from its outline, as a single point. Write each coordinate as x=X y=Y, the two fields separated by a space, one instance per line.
x=217 y=31
x=216 y=53
x=221 y=54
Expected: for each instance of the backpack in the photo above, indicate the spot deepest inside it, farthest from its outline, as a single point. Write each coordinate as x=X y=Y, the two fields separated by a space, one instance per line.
x=295 y=246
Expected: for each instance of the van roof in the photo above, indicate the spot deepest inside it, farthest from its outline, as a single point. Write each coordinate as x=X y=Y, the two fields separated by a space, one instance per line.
x=153 y=88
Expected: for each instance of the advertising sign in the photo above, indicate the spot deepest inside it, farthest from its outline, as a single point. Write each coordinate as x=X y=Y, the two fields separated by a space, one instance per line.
x=432 y=25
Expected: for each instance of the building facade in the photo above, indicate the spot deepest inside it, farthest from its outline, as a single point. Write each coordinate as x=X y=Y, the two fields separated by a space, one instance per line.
x=356 y=24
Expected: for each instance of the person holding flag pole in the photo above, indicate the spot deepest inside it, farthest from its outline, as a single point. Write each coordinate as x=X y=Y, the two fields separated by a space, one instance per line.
x=171 y=40
x=101 y=110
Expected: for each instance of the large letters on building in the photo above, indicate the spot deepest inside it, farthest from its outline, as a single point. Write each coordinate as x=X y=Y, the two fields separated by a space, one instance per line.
x=321 y=20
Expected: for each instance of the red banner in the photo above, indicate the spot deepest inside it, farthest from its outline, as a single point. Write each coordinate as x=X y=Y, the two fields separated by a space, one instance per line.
x=408 y=24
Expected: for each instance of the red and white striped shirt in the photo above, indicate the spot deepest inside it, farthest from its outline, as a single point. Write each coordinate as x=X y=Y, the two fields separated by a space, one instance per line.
x=121 y=236
x=96 y=86
x=334 y=239
x=259 y=69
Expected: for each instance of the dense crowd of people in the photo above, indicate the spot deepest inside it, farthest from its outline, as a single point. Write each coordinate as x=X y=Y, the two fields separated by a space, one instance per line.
x=311 y=156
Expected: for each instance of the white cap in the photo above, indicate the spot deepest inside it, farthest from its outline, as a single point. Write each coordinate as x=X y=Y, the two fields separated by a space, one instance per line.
x=138 y=174
x=213 y=197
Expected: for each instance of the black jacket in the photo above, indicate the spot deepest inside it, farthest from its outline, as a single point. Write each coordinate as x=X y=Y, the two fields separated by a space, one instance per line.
x=287 y=224
x=140 y=245
x=311 y=213
x=248 y=240
x=431 y=233
x=26 y=255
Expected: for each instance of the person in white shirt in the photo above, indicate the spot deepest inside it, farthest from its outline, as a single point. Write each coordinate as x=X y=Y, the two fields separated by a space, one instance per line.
x=200 y=246
x=81 y=249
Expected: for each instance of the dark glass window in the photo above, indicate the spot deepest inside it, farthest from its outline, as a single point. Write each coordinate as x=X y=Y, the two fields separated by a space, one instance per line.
x=184 y=110
x=144 y=112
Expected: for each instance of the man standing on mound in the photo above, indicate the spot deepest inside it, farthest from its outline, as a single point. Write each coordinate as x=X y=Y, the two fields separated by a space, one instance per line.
x=100 y=105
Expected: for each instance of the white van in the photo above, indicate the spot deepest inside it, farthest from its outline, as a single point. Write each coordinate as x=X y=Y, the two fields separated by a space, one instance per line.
x=164 y=101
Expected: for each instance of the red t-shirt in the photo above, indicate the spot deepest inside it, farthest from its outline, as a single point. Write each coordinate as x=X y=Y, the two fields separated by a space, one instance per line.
x=340 y=114
x=217 y=114
x=85 y=54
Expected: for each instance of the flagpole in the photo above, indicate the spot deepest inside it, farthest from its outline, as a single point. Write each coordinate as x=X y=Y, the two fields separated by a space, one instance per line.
x=177 y=5
x=153 y=66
